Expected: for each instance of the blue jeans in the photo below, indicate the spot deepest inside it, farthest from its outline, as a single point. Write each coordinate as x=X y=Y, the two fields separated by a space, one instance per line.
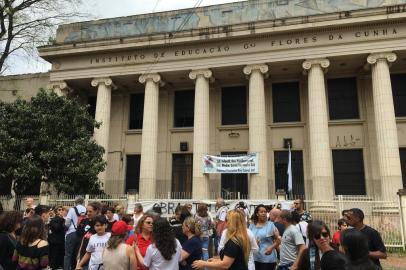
x=205 y=248
x=71 y=245
x=285 y=266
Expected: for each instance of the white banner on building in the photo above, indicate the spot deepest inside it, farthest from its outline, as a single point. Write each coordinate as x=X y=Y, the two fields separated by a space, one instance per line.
x=168 y=206
x=247 y=163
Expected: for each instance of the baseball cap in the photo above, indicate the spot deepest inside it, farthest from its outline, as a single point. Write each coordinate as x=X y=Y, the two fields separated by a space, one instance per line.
x=120 y=227
x=41 y=209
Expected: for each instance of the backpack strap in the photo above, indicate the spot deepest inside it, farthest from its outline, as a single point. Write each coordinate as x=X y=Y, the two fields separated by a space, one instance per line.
x=76 y=211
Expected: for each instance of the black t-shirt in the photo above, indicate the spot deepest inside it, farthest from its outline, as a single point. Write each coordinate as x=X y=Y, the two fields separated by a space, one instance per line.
x=280 y=227
x=193 y=246
x=110 y=225
x=334 y=260
x=85 y=230
x=7 y=246
x=235 y=251
x=56 y=234
x=375 y=242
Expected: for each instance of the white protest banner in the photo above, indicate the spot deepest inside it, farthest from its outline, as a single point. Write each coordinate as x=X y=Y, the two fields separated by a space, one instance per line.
x=247 y=163
x=168 y=206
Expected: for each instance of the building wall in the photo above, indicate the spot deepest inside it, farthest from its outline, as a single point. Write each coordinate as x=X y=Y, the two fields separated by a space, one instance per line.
x=24 y=86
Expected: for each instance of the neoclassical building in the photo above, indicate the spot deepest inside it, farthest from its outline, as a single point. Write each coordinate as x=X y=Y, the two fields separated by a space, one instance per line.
x=327 y=77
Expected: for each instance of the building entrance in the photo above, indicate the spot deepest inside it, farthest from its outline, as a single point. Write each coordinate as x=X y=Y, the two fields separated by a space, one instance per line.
x=232 y=183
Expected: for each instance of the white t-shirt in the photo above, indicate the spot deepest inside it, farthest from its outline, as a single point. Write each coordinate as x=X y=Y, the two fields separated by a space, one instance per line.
x=154 y=260
x=96 y=245
x=254 y=247
x=302 y=227
x=74 y=218
x=222 y=213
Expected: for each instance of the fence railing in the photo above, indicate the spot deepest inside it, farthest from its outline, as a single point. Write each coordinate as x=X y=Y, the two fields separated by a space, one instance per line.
x=388 y=223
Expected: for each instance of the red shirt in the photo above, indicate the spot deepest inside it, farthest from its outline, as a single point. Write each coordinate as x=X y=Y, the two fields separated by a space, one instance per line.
x=142 y=245
x=336 y=238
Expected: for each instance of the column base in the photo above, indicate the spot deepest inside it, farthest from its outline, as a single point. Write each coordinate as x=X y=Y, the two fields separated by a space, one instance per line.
x=323 y=207
x=386 y=208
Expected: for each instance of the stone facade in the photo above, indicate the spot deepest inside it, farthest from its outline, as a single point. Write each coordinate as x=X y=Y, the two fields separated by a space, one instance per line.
x=308 y=47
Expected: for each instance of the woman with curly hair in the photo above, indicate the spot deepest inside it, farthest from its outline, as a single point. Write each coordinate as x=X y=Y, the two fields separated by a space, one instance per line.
x=31 y=252
x=237 y=249
x=165 y=251
x=10 y=222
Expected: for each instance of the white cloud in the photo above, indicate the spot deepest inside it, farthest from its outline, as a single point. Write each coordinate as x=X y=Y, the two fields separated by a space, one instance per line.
x=109 y=9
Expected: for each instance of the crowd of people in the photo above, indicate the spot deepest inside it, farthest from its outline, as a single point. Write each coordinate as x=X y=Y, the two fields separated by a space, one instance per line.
x=98 y=237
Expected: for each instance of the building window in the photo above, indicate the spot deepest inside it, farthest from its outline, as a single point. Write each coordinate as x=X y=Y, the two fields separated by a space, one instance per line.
x=349 y=178
x=286 y=102
x=182 y=176
x=343 y=98
x=234 y=185
x=402 y=152
x=136 y=111
x=132 y=179
x=234 y=105
x=184 y=108
x=399 y=94
x=281 y=169
x=91 y=105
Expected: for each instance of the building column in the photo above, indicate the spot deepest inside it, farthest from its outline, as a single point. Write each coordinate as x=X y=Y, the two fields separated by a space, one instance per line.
x=60 y=88
x=103 y=108
x=201 y=132
x=320 y=153
x=149 y=145
x=258 y=183
x=385 y=124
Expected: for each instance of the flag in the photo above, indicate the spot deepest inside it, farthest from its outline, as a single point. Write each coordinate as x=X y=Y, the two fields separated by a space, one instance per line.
x=290 y=172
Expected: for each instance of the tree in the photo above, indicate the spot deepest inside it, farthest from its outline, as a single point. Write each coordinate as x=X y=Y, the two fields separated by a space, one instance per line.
x=25 y=24
x=48 y=140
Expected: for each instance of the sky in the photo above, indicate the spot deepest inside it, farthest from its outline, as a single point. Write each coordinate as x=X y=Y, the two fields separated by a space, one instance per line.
x=100 y=9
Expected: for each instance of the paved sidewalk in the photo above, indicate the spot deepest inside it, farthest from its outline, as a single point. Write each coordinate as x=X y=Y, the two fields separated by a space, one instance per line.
x=394 y=262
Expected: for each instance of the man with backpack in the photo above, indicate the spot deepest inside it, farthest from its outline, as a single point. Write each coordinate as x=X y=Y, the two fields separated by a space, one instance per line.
x=75 y=215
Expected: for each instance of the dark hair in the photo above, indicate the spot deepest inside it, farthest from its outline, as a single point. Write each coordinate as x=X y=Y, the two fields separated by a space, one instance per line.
x=355 y=245
x=9 y=221
x=33 y=229
x=111 y=209
x=358 y=213
x=315 y=228
x=295 y=217
x=287 y=215
x=100 y=219
x=254 y=216
x=157 y=209
x=184 y=213
x=127 y=218
x=178 y=209
x=334 y=260
x=344 y=212
x=163 y=238
x=202 y=210
x=341 y=221
x=138 y=206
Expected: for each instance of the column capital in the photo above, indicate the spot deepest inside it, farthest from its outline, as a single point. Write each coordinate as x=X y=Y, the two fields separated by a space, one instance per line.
x=62 y=85
x=323 y=63
x=263 y=68
x=155 y=77
x=105 y=80
x=206 y=73
x=387 y=56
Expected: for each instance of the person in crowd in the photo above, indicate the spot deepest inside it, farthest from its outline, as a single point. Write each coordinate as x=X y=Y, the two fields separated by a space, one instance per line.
x=189 y=207
x=334 y=260
x=236 y=251
x=120 y=211
x=267 y=237
x=175 y=220
x=110 y=218
x=274 y=216
x=96 y=245
x=319 y=243
x=10 y=222
x=138 y=213
x=301 y=226
x=142 y=236
x=56 y=239
x=65 y=211
x=72 y=239
x=178 y=229
x=342 y=225
x=43 y=211
x=354 y=243
x=118 y=255
x=206 y=225
x=31 y=252
x=128 y=219
x=86 y=229
x=242 y=206
x=377 y=250
x=220 y=221
x=292 y=243
x=29 y=203
x=164 y=252
x=192 y=249
x=29 y=212
x=299 y=208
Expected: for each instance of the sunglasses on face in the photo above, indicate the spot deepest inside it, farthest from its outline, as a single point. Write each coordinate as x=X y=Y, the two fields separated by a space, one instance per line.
x=319 y=235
